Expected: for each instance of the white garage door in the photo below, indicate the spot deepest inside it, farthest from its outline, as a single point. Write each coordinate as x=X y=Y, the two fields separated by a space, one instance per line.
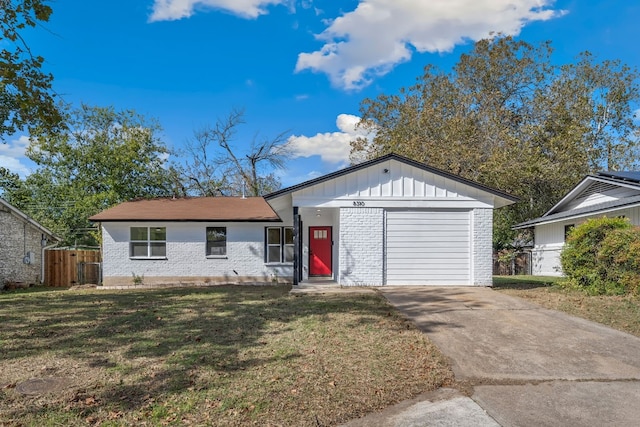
x=428 y=247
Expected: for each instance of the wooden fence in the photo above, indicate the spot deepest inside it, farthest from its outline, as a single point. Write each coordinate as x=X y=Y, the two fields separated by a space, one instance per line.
x=69 y=267
x=520 y=264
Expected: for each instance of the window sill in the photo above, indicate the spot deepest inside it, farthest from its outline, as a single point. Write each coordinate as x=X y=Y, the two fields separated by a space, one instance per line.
x=152 y=258
x=217 y=257
x=278 y=264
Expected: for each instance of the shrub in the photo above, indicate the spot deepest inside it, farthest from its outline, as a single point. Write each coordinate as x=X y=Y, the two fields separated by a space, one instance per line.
x=619 y=261
x=579 y=258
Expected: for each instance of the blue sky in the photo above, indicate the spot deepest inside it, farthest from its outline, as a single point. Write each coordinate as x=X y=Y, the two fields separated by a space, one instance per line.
x=301 y=66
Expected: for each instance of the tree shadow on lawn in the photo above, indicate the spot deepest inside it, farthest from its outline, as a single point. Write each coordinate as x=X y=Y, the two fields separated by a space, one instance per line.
x=172 y=331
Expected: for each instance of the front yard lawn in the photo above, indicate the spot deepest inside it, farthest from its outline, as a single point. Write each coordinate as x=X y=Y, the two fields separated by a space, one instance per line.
x=207 y=356
x=618 y=312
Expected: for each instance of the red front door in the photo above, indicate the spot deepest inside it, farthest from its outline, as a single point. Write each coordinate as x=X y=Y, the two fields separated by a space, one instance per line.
x=319 y=251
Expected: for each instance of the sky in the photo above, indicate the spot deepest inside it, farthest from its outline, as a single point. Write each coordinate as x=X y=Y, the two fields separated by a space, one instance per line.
x=297 y=66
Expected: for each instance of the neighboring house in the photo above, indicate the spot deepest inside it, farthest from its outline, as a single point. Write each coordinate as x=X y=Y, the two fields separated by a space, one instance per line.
x=611 y=194
x=388 y=221
x=22 y=244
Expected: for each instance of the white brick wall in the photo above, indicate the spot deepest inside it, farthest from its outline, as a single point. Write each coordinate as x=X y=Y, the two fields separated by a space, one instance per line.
x=361 y=246
x=482 y=244
x=186 y=259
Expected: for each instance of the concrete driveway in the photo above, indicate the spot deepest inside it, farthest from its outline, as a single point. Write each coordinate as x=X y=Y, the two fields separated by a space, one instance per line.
x=526 y=365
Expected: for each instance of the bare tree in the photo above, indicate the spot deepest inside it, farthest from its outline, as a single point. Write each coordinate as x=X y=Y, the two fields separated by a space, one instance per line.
x=215 y=165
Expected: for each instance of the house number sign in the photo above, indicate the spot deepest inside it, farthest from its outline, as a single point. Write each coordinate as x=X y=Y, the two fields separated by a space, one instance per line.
x=358 y=204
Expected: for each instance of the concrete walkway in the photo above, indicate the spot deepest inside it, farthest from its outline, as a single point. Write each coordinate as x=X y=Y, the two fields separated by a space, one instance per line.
x=522 y=364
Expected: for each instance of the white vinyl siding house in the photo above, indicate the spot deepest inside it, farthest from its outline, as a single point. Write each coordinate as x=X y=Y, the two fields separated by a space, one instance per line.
x=388 y=221
x=611 y=194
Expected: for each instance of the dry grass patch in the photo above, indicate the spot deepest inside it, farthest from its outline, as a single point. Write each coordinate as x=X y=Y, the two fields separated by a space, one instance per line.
x=213 y=356
x=618 y=312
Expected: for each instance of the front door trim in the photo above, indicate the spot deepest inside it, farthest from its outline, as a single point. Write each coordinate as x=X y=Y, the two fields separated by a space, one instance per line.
x=325 y=269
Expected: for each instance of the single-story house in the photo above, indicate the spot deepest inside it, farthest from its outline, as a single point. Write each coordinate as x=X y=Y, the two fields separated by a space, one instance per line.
x=22 y=244
x=611 y=194
x=387 y=221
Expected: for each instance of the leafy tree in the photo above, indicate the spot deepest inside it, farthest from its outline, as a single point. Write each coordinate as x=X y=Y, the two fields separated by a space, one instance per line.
x=12 y=188
x=26 y=98
x=507 y=117
x=215 y=167
x=104 y=158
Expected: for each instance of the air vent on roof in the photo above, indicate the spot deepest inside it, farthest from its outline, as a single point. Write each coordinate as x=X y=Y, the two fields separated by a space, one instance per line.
x=596 y=188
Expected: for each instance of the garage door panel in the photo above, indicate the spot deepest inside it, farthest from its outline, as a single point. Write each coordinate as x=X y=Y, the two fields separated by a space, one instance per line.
x=426 y=256
x=443 y=234
x=410 y=215
x=416 y=242
x=428 y=247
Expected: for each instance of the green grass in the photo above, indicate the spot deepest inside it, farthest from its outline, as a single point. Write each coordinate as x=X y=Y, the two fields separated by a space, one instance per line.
x=618 y=312
x=208 y=356
x=524 y=282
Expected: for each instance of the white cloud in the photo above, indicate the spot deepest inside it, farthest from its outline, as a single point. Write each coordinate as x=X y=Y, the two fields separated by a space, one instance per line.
x=12 y=155
x=172 y=10
x=379 y=34
x=332 y=147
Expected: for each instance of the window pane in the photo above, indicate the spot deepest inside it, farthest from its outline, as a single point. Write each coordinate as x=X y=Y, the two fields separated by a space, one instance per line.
x=288 y=236
x=273 y=236
x=273 y=254
x=216 y=241
x=138 y=249
x=215 y=248
x=139 y=233
x=216 y=234
x=158 y=249
x=288 y=253
x=158 y=233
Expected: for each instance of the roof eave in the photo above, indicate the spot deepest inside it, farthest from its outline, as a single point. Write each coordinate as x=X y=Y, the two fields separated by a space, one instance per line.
x=392 y=156
x=543 y=221
x=254 y=220
x=30 y=220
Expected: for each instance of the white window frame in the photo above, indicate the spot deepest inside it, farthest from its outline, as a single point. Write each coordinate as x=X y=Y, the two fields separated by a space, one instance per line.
x=281 y=245
x=210 y=255
x=150 y=243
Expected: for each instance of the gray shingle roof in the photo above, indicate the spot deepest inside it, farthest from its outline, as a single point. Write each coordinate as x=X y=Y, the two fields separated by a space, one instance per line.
x=581 y=211
x=633 y=176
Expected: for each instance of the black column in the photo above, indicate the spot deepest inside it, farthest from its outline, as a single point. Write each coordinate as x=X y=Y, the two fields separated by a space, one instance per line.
x=297 y=244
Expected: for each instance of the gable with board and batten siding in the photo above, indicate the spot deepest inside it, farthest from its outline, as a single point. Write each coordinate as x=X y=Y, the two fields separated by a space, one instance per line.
x=395 y=221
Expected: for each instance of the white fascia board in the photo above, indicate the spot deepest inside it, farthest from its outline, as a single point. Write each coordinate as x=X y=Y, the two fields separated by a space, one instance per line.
x=571 y=194
x=350 y=202
x=584 y=184
x=594 y=214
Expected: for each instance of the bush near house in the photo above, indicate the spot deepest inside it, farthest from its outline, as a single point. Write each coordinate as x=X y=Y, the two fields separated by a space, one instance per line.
x=601 y=256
